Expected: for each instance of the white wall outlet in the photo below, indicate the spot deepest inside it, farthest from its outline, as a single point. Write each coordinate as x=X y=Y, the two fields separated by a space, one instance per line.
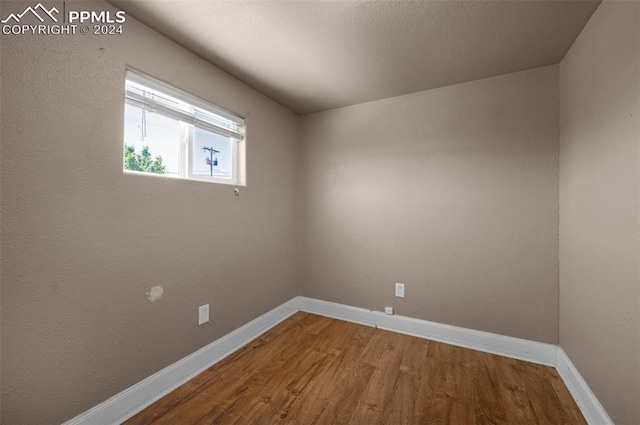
x=388 y=310
x=203 y=314
x=399 y=290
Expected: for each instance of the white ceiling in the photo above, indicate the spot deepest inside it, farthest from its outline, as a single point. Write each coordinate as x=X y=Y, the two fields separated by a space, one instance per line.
x=317 y=55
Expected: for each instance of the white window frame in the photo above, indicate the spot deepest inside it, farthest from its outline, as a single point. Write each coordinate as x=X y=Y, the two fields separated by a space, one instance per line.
x=191 y=112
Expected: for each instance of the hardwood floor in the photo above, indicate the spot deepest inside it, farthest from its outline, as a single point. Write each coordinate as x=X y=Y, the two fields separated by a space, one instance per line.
x=315 y=370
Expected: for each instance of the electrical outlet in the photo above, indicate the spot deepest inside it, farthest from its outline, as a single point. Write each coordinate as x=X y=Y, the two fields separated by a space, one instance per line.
x=388 y=310
x=203 y=314
x=399 y=290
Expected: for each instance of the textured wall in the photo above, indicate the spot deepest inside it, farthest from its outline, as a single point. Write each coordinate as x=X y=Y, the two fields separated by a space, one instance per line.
x=0 y=237
x=452 y=191
x=599 y=206
x=83 y=243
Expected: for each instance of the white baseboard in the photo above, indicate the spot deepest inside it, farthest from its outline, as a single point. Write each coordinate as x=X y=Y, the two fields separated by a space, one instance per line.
x=137 y=397
x=517 y=348
x=522 y=349
x=134 y=399
x=589 y=405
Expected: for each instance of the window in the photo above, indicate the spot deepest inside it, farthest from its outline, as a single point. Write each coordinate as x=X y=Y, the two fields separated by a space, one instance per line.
x=171 y=133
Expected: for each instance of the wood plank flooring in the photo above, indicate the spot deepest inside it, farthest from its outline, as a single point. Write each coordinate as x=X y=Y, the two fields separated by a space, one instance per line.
x=315 y=370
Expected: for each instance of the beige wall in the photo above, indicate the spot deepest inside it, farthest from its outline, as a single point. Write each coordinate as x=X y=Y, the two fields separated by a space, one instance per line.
x=599 y=206
x=83 y=243
x=452 y=191
x=0 y=236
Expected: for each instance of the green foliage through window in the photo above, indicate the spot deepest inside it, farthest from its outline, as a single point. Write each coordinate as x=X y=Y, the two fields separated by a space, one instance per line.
x=142 y=161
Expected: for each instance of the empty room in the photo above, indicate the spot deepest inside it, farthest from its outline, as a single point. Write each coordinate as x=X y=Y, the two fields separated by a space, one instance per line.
x=320 y=212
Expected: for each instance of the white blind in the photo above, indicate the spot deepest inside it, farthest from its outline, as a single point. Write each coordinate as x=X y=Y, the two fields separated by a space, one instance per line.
x=154 y=96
